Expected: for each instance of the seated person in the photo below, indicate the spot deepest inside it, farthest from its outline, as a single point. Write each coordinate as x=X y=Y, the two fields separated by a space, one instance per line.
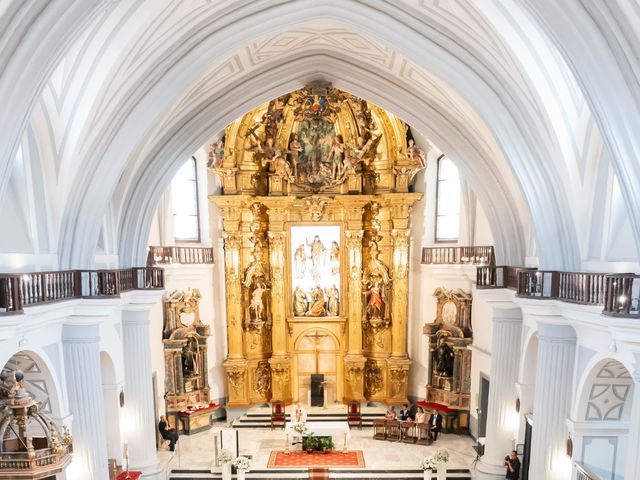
x=421 y=417
x=405 y=413
x=168 y=433
x=435 y=420
x=390 y=413
x=300 y=415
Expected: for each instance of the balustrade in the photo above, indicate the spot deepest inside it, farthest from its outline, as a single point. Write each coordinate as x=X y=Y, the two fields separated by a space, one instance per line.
x=499 y=277
x=472 y=255
x=30 y=289
x=179 y=254
x=542 y=284
x=622 y=295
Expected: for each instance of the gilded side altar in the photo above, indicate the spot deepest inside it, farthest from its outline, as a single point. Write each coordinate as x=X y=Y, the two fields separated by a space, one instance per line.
x=315 y=206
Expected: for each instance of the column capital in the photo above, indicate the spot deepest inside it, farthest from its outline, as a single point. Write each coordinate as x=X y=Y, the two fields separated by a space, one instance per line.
x=81 y=332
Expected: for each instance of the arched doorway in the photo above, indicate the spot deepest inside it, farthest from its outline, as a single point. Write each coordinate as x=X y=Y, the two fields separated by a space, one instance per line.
x=317 y=351
x=600 y=422
x=111 y=398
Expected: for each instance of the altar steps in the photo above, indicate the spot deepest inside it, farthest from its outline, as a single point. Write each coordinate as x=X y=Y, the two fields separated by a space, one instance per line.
x=263 y=420
x=336 y=474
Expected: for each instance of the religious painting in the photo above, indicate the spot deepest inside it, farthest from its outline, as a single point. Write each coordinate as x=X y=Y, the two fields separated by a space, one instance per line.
x=314 y=145
x=315 y=271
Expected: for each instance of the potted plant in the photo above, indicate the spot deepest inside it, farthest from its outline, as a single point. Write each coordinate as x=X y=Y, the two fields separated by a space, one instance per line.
x=225 y=457
x=241 y=465
x=309 y=443
x=441 y=457
x=326 y=443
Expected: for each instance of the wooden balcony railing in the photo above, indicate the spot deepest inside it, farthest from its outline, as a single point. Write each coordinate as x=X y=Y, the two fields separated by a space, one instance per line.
x=29 y=289
x=622 y=295
x=583 y=473
x=458 y=255
x=499 y=277
x=618 y=294
x=185 y=255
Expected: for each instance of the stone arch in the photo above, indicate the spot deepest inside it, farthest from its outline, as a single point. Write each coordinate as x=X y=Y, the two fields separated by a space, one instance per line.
x=39 y=378
x=600 y=425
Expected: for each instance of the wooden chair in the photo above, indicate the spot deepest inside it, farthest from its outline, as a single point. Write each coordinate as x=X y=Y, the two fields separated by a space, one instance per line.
x=379 y=429
x=408 y=430
x=354 y=414
x=423 y=434
x=278 y=416
x=392 y=428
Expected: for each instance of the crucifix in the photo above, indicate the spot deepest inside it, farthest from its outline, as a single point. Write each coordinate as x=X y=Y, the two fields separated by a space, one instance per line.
x=317 y=336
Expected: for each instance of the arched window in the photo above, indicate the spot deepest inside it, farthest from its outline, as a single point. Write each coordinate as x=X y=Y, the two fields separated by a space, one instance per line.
x=184 y=196
x=447 y=202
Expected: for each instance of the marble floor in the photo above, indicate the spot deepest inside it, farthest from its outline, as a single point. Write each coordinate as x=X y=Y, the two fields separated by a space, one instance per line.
x=196 y=451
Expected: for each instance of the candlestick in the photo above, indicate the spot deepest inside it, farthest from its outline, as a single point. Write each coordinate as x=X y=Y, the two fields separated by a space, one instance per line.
x=286 y=445
x=344 y=448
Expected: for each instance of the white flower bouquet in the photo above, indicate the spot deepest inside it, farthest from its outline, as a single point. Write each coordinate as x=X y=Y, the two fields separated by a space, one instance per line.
x=241 y=463
x=428 y=463
x=442 y=455
x=225 y=456
x=301 y=428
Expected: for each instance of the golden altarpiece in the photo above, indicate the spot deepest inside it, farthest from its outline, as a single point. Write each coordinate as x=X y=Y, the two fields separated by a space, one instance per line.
x=315 y=205
x=449 y=337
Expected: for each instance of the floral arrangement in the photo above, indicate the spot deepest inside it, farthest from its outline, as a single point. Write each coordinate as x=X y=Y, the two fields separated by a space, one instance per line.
x=301 y=428
x=241 y=463
x=225 y=456
x=431 y=463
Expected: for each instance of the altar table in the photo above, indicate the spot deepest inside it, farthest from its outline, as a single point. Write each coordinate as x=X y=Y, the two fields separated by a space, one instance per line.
x=335 y=430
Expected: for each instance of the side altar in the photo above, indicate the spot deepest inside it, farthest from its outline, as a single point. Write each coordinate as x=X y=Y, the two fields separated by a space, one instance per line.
x=184 y=337
x=316 y=197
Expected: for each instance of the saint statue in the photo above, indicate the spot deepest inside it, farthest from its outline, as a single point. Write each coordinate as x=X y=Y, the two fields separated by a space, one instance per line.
x=316 y=309
x=188 y=359
x=415 y=154
x=443 y=359
x=333 y=301
x=280 y=166
x=375 y=301
x=336 y=155
x=300 y=260
x=300 y=302
x=257 y=302
x=295 y=149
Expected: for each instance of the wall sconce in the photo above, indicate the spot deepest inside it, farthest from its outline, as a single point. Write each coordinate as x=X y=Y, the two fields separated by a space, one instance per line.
x=569 y=447
x=121 y=397
x=518 y=404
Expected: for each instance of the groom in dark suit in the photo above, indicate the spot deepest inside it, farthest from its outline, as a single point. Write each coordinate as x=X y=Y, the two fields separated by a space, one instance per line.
x=435 y=420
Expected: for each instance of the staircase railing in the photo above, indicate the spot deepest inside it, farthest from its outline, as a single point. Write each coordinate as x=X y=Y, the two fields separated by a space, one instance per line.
x=583 y=473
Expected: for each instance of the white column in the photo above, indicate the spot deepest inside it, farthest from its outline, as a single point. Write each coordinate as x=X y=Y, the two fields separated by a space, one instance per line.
x=84 y=386
x=502 y=419
x=551 y=404
x=632 y=468
x=139 y=410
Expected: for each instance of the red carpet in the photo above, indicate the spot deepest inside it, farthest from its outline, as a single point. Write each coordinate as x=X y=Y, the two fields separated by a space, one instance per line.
x=318 y=474
x=353 y=458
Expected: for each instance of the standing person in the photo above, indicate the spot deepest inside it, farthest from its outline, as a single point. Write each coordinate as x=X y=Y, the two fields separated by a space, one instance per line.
x=435 y=420
x=300 y=414
x=513 y=465
x=168 y=433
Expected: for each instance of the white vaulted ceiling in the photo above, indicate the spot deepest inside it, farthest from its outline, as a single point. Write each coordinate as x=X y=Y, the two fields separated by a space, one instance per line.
x=131 y=88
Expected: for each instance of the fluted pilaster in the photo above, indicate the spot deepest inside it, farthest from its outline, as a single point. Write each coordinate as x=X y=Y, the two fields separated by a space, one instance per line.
x=84 y=386
x=139 y=410
x=551 y=404
x=632 y=468
x=501 y=414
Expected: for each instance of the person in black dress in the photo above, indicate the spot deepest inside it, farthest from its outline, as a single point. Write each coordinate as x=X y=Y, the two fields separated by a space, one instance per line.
x=168 y=433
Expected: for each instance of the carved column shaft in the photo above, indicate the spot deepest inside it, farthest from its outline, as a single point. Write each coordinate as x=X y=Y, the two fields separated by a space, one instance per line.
x=232 y=245
x=354 y=252
x=278 y=307
x=400 y=293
